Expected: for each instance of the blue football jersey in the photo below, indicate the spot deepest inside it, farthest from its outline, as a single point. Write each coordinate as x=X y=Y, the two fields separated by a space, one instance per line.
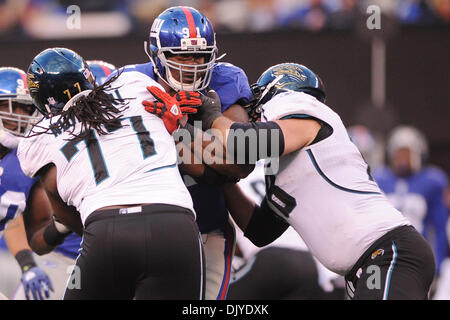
x=420 y=198
x=231 y=84
x=15 y=189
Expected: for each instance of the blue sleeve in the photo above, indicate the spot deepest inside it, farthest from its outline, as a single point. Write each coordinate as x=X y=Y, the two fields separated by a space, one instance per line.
x=231 y=84
x=437 y=216
x=145 y=68
x=383 y=178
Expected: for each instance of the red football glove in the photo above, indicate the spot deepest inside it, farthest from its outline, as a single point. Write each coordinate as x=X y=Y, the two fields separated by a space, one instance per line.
x=172 y=109
x=187 y=100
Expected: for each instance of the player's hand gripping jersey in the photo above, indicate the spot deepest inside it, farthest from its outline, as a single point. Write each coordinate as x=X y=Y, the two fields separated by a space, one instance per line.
x=340 y=227
x=110 y=176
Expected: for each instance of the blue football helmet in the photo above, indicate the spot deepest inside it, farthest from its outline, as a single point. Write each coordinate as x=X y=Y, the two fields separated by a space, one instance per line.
x=410 y=138
x=55 y=76
x=14 y=94
x=101 y=70
x=182 y=31
x=281 y=78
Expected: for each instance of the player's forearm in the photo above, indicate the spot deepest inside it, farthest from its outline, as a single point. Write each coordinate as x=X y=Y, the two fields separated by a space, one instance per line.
x=210 y=150
x=38 y=243
x=15 y=236
x=239 y=205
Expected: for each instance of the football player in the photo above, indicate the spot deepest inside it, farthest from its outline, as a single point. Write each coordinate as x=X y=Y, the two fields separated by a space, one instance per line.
x=322 y=188
x=183 y=56
x=415 y=189
x=59 y=263
x=110 y=168
x=17 y=191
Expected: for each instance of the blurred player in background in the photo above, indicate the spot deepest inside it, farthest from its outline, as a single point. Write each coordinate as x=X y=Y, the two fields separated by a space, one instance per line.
x=370 y=147
x=16 y=190
x=59 y=263
x=103 y=159
x=415 y=189
x=183 y=56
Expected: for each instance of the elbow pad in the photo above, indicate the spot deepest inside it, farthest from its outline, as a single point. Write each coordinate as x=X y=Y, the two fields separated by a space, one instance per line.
x=249 y=142
x=265 y=226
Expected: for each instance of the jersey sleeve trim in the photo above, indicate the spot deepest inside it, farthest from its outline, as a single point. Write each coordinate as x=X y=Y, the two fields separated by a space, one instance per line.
x=313 y=160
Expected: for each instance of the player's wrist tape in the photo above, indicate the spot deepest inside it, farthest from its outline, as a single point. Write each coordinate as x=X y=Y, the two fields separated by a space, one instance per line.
x=55 y=233
x=249 y=142
x=25 y=260
x=211 y=176
x=264 y=226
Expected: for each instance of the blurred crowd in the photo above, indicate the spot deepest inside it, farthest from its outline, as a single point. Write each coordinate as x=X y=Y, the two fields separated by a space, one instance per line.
x=52 y=19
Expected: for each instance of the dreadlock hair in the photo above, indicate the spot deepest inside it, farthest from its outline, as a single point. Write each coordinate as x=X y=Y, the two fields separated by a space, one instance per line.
x=98 y=110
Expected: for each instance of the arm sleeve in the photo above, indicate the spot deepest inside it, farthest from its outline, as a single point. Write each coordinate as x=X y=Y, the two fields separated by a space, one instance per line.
x=265 y=226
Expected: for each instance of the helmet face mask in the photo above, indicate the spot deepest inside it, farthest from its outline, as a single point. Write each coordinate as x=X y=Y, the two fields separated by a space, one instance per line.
x=184 y=32
x=17 y=113
x=281 y=78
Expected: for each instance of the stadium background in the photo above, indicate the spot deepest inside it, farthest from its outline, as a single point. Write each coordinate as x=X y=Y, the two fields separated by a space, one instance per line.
x=258 y=34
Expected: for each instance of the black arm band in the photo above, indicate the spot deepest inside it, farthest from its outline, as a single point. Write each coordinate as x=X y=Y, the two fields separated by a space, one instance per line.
x=211 y=176
x=264 y=226
x=249 y=142
x=52 y=236
x=25 y=260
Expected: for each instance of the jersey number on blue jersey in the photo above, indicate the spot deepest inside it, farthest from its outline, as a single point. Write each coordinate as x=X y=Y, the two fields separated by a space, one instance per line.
x=95 y=152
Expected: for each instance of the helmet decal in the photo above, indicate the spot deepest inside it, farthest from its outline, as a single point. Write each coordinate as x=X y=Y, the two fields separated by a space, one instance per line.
x=191 y=24
x=284 y=77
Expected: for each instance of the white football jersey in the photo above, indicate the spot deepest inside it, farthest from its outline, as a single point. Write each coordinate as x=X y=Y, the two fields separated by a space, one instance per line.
x=133 y=164
x=254 y=187
x=327 y=193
